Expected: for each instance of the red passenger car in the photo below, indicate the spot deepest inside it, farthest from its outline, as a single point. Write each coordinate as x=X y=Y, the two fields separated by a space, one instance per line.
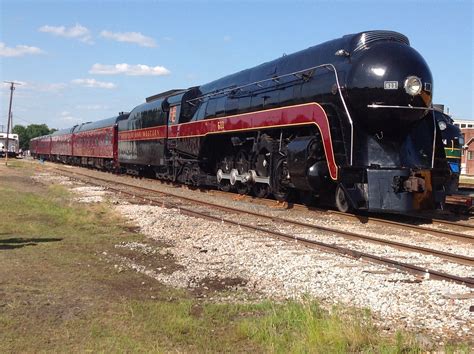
x=95 y=144
x=62 y=145
x=41 y=147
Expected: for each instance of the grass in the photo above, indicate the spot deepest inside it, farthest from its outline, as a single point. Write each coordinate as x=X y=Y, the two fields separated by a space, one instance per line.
x=58 y=293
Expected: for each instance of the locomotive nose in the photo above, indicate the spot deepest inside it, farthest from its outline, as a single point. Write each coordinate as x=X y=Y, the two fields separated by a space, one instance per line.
x=389 y=85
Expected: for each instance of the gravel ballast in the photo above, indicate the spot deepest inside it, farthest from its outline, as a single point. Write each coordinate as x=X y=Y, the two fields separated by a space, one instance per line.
x=280 y=270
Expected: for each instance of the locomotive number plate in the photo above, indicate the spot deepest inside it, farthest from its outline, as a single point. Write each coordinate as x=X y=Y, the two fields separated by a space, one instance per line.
x=390 y=85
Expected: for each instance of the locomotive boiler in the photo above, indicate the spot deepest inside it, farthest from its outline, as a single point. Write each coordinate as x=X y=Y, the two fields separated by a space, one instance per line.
x=349 y=121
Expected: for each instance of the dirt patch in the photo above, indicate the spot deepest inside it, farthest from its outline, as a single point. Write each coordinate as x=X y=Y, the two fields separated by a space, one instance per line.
x=132 y=229
x=158 y=259
x=16 y=178
x=210 y=285
x=136 y=288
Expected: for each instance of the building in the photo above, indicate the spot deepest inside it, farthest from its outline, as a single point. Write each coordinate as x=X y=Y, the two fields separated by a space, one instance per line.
x=467 y=157
x=13 y=144
x=464 y=123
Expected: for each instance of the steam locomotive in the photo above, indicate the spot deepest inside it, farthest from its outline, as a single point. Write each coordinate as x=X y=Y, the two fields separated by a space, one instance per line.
x=349 y=121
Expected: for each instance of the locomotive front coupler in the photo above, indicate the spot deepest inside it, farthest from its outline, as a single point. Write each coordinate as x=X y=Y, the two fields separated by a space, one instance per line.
x=411 y=184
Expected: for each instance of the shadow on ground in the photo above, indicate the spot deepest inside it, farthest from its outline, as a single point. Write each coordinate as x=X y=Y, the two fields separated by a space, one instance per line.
x=19 y=242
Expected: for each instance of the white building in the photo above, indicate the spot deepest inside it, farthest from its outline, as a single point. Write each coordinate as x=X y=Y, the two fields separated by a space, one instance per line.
x=12 y=143
x=464 y=123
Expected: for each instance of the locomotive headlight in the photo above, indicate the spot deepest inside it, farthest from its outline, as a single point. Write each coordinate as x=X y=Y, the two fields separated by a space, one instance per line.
x=413 y=85
x=442 y=125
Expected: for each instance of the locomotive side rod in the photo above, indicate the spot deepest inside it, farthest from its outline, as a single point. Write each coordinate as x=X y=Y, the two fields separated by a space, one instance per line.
x=410 y=268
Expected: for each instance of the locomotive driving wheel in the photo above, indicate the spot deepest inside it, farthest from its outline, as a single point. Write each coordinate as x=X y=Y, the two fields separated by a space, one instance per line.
x=242 y=165
x=226 y=166
x=280 y=181
x=261 y=190
x=342 y=203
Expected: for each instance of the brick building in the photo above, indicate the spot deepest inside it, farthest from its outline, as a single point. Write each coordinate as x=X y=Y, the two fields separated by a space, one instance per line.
x=467 y=158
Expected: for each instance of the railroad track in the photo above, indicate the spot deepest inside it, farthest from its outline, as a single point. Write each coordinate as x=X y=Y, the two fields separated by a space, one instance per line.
x=437 y=230
x=227 y=214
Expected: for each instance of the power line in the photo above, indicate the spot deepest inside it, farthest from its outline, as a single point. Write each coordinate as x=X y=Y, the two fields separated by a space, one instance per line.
x=20 y=118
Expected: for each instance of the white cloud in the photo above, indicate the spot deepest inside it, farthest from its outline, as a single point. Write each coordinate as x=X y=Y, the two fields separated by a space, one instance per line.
x=78 y=32
x=91 y=107
x=18 y=51
x=227 y=38
x=93 y=83
x=130 y=37
x=66 y=116
x=37 y=87
x=54 y=87
x=127 y=69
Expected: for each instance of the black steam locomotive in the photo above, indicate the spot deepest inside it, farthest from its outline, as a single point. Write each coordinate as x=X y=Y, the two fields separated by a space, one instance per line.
x=349 y=120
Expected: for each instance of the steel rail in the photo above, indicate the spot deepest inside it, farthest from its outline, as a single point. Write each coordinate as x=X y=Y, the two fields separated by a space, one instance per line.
x=421 y=229
x=418 y=228
x=338 y=249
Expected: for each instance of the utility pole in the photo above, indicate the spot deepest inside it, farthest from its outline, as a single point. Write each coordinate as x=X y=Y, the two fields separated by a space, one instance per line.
x=12 y=88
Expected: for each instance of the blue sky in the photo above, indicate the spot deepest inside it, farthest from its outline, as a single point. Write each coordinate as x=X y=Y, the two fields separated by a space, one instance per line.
x=87 y=60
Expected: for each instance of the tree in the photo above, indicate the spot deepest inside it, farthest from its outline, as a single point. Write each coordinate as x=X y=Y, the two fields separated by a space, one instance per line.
x=30 y=132
x=22 y=136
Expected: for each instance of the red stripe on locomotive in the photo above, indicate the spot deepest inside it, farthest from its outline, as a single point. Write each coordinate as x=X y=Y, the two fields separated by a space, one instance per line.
x=305 y=114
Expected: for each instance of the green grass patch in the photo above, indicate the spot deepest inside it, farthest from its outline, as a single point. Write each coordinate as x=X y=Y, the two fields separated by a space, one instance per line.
x=59 y=293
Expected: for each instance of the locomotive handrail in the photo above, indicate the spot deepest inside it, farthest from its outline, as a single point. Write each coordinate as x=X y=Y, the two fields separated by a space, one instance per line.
x=401 y=107
x=230 y=89
x=434 y=140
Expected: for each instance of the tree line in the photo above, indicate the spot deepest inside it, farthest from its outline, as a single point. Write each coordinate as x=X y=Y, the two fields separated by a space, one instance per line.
x=25 y=134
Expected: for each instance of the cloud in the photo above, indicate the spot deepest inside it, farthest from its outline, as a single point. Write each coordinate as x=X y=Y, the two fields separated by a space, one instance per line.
x=91 y=107
x=130 y=37
x=77 y=32
x=127 y=69
x=36 y=87
x=18 y=51
x=66 y=116
x=93 y=83
x=54 y=87
x=227 y=38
